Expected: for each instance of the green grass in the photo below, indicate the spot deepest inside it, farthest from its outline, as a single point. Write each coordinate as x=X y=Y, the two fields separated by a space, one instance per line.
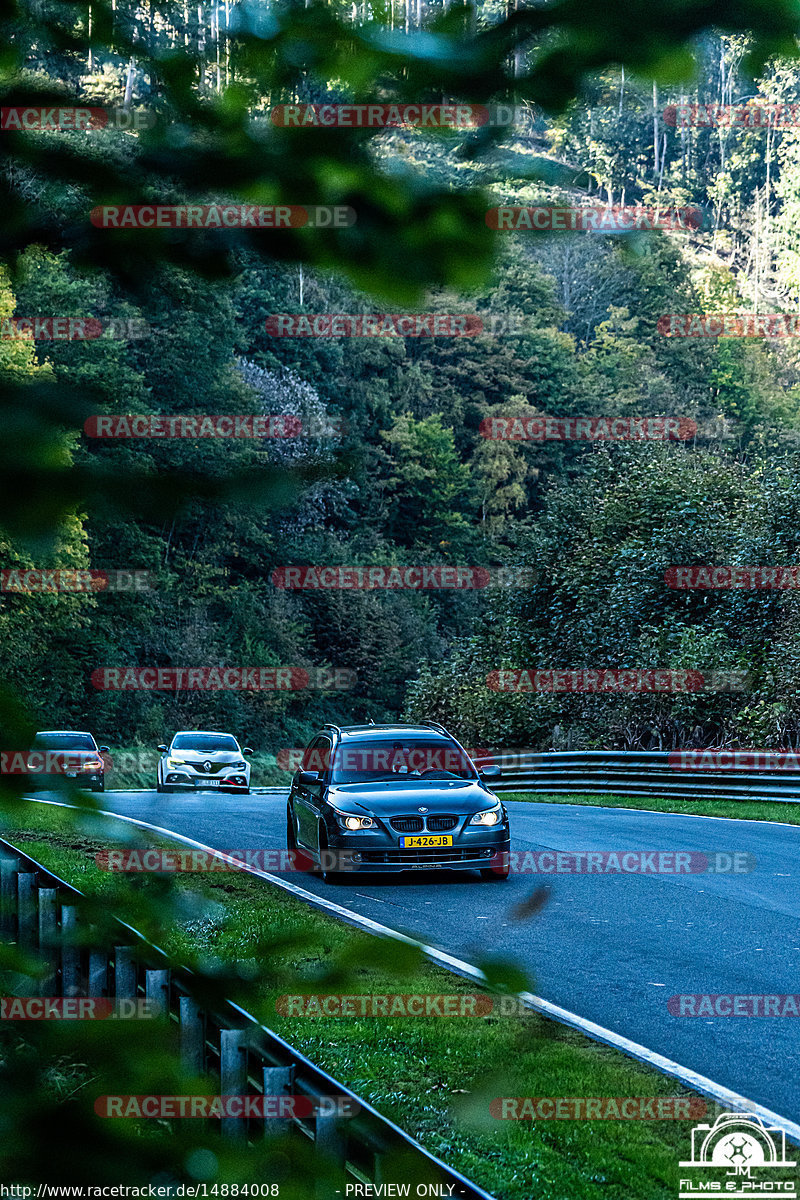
x=747 y=810
x=434 y=1076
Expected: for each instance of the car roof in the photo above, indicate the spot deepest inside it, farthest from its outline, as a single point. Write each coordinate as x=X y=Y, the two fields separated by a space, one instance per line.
x=377 y=731
x=77 y=732
x=204 y=733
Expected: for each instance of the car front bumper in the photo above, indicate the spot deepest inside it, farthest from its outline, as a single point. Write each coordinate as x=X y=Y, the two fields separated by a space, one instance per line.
x=81 y=779
x=378 y=853
x=198 y=783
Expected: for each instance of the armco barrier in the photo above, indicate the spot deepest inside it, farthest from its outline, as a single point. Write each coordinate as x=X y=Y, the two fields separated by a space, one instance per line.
x=41 y=913
x=637 y=773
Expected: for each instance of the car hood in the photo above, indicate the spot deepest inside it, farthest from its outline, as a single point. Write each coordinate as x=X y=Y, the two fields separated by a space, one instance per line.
x=458 y=796
x=213 y=756
x=74 y=755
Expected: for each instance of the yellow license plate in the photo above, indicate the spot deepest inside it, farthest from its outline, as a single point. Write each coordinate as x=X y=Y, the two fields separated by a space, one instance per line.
x=426 y=839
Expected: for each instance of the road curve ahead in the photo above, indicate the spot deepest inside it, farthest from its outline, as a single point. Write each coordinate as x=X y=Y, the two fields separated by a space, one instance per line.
x=612 y=948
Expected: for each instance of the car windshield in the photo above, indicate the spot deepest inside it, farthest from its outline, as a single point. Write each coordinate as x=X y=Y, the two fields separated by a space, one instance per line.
x=65 y=741
x=397 y=758
x=205 y=743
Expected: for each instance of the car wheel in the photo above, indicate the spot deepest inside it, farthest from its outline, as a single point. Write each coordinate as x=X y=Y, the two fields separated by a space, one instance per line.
x=291 y=840
x=99 y=787
x=489 y=874
x=325 y=874
x=159 y=785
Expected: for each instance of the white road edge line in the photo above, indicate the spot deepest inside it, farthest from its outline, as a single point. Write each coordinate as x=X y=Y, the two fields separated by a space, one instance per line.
x=691 y=1079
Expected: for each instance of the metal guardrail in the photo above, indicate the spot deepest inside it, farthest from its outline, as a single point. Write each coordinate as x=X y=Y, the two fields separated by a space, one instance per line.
x=636 y=773
x=41 y=914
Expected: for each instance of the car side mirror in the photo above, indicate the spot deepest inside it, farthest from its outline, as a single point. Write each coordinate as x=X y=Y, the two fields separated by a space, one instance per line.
x=247 y=750
x=105 y=750
x=491 y=771
x=162 y=749
x=306 y=777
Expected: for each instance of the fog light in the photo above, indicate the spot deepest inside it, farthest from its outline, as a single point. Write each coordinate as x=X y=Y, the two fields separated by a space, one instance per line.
x=355 y=856
x=487 y=853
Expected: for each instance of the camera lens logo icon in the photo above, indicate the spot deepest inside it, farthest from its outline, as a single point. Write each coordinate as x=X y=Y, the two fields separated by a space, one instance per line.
x=738 y=1142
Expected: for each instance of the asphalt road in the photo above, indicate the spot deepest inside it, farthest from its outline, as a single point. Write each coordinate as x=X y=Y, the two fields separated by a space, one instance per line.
x=612 y=948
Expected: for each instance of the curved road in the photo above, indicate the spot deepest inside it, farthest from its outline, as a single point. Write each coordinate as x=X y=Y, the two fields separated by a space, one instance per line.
x=612 y=948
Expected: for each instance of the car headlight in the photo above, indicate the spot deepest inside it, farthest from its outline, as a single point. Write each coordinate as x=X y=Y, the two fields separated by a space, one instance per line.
x=352 y=822
x=176 y=762
x=237 y=766
x=491 y=816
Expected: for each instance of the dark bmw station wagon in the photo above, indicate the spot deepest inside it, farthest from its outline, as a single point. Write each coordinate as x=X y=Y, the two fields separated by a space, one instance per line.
x=389 y=798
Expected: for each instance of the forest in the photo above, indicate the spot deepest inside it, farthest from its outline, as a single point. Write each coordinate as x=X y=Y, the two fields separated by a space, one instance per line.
x=551 y=416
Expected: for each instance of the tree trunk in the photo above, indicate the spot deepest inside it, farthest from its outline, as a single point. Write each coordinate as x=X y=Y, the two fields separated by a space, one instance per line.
x=655 y=129
x=126 y=103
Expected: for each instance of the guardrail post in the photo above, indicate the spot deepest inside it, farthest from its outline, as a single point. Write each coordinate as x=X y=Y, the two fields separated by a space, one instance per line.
x=70 y=952
x=330 y=1144
x=26 y=911
x=98 y=972
x=232 y=1078
x=192 y=1036
x=48 y=937
x=124 y=973
x=328 y=1137
x=156 y=991
x=278 y=1081
x=9 y=868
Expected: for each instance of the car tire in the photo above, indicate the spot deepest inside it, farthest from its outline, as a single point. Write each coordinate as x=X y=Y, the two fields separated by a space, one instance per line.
x=159 y=785
x=326 y=875
x=490 y=875
x=99 y=787
x=291 y=840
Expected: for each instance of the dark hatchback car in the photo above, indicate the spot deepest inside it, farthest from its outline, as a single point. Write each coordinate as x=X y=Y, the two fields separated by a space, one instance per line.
x=390 y=798
x=66 y=754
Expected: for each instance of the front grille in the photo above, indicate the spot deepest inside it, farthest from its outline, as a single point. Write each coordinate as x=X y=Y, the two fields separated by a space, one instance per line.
x=440 y=822
x=423 y=854
x=407 y=824
x=214 y=769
